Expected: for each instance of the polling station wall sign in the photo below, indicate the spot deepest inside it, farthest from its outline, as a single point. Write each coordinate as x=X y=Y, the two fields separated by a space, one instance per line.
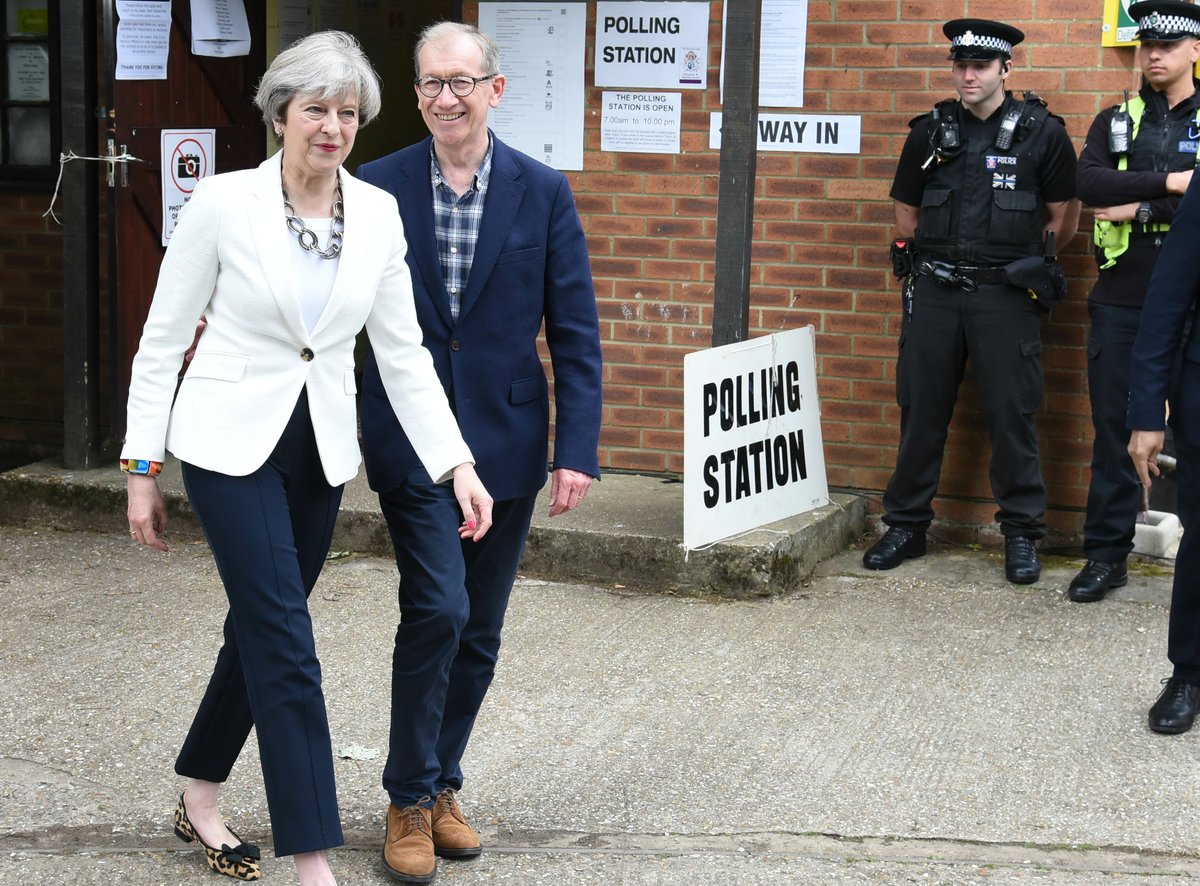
x=645 y=45
x=804 y=133
x=752 y=450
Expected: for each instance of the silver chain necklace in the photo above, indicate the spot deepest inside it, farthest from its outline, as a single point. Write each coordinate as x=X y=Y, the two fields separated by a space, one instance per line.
x=308 y=240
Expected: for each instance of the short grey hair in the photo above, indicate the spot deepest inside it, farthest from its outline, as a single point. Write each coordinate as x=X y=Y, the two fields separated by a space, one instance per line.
x=326 y=65
x=439 y=31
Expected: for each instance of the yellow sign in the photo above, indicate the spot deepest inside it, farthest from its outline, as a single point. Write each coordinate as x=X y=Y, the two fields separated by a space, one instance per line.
x=1119 y=28
x=33 y=21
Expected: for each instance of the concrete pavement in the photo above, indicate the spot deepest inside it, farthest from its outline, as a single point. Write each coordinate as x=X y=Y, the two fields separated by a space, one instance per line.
x=932 y=724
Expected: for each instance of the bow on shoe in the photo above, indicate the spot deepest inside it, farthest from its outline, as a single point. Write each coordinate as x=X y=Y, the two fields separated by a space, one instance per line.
x=241 y=852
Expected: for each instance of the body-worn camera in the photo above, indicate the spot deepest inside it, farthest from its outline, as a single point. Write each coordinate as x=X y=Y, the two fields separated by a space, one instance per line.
x=1119 y=127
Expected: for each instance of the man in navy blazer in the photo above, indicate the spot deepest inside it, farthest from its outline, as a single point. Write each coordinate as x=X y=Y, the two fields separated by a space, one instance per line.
x=496 y=250
x=1165 y=367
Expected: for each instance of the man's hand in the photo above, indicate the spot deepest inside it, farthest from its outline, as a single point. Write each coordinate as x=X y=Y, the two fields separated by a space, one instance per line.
x=567 y=490
x=1123 y=213
x=1144 y=447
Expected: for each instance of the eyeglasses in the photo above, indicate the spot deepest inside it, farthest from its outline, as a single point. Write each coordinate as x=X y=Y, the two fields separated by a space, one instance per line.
x=431 y=87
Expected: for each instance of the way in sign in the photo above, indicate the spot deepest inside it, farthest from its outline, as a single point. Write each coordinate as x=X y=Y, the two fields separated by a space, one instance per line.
x=825 y=132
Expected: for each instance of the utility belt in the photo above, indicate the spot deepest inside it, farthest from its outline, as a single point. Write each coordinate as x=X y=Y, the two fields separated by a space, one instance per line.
x=958 y=275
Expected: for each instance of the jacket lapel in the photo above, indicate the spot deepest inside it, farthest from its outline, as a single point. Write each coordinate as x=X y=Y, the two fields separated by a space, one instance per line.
x=270 y=233
x=414 y=195
x=500 y=208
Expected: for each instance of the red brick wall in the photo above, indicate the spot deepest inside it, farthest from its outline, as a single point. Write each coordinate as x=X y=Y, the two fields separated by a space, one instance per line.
x=31 y=358
x=822 y=225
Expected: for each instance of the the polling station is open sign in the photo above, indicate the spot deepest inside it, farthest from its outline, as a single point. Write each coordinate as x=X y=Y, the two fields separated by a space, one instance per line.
x=752 y=436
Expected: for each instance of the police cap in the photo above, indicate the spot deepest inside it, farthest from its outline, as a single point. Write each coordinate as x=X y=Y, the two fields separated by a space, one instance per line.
x=977 y=39
x=1163 y=20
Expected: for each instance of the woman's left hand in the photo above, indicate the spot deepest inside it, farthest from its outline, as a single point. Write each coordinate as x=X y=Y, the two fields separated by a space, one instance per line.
x=475 y=502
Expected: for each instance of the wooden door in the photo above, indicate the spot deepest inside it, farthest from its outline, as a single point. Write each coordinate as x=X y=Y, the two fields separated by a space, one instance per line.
x=199 y=93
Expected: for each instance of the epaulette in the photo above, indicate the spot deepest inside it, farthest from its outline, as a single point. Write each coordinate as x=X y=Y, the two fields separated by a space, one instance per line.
x=939 y=106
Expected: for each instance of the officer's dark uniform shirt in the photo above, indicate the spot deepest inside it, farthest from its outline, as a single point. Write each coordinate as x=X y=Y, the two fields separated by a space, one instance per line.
x=1055 y=168
x=1167 y=141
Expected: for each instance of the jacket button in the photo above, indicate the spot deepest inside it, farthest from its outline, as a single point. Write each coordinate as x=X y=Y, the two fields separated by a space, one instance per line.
x=455 y=345
x=307 y=355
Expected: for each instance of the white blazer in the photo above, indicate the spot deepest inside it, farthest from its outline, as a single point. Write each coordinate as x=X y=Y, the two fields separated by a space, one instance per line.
x=228 y=259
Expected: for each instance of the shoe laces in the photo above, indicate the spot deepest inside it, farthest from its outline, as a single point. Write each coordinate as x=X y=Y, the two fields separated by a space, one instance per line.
x=449 y=798
x=1176 y=688
x=1020 y=546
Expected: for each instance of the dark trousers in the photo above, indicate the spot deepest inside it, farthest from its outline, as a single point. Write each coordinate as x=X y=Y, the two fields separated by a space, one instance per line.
x=999 y=329
x=1114 y=491
x=269 y=533
x=1183 y=636
x=453 y=595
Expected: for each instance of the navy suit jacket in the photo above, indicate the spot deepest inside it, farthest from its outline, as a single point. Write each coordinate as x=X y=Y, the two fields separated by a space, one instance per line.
x=530 y=267
x=1173 y=291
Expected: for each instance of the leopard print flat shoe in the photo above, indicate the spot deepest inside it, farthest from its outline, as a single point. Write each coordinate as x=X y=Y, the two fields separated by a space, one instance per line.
x=239 y=862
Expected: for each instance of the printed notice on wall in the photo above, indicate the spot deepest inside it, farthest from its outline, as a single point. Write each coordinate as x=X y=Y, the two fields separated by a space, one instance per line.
x=295 y=21
x=782 y=38
x=187 y=157
x=220 y=28
x=752 y=450
x=143 y=39
x=643 y=45
x=805 y=133
x=541 y=55
x=28 y=72
x=641 y=122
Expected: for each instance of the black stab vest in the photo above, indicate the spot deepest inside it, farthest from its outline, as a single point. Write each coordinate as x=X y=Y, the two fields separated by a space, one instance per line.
x=984 y=205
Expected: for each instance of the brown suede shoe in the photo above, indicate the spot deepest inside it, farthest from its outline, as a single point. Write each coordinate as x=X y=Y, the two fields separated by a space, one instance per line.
x=408 y=846
x=452 y=836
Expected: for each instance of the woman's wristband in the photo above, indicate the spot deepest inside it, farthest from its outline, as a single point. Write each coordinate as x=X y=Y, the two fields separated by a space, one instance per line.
x=139 y=466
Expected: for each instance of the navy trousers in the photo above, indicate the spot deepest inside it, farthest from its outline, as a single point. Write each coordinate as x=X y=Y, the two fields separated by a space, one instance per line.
x=999 y=329
x=1114 y=491
x=269 y=533
x=1183 y=635
x=453 y=595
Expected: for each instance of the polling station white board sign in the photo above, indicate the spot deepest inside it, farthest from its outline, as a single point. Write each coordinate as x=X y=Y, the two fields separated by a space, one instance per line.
x=644 y=45
x=187 y=156
x=752 y=449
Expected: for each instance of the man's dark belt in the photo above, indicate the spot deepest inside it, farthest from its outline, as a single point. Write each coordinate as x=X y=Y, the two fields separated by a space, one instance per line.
x=960 y=275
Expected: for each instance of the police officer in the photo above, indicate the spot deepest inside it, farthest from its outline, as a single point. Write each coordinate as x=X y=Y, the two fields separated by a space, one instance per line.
x=1134 y=167
x=980 y=183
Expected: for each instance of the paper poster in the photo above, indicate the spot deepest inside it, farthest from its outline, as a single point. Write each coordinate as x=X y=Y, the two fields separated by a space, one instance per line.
x=220 y=28
x=1119 y=27
x=28 y=72
x=143 y=39
x=641 y=122
x=187 y=157
x=541 y=56
x=643 y=45
x=295 y=21
x=782 y=45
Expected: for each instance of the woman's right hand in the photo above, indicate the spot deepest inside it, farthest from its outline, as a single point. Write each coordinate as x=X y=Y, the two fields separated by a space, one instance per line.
x=147 y=511
x=474 y=501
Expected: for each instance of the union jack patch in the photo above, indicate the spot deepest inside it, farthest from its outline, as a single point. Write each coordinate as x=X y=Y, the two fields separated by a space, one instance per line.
x=1004 y=181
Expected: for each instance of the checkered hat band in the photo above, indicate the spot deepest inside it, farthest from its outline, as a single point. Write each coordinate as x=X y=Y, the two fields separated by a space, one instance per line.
x=1170 y=24
x=979 y=41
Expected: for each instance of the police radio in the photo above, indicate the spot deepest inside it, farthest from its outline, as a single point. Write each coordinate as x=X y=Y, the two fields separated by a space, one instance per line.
x=1119 y=127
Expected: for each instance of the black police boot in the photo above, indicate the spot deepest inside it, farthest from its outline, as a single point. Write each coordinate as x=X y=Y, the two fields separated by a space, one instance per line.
x=1021 y=564
x=897 y=545
x=1096 y=579
x=1175 y=710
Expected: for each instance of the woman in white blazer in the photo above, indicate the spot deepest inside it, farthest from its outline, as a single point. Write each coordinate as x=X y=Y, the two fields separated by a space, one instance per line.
x=287 y=262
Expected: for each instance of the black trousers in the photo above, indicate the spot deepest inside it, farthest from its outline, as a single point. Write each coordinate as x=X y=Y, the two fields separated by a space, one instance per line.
x=998 y=328
x=1114 y=491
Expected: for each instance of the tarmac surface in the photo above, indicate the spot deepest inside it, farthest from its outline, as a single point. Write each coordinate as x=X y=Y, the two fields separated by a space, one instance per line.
x=932 y=724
